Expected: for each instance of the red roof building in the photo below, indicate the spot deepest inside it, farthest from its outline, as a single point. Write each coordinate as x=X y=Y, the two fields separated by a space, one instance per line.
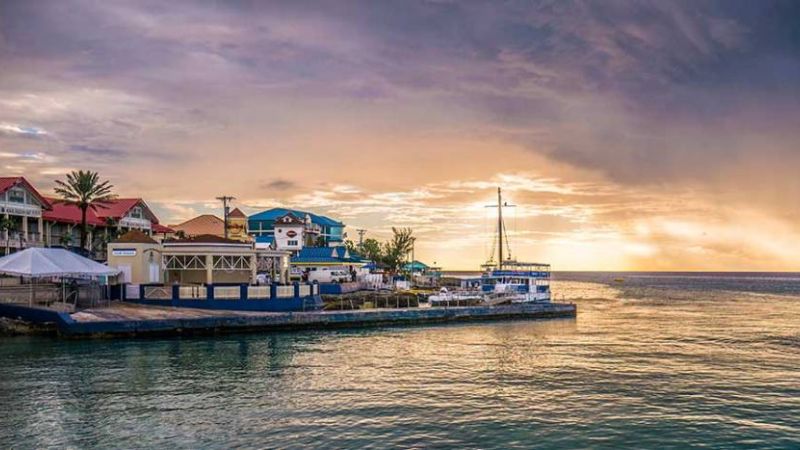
x=7 y=183
x=132 y=213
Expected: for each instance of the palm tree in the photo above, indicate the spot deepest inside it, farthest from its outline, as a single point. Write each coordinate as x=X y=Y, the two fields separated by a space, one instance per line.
x=84 y=190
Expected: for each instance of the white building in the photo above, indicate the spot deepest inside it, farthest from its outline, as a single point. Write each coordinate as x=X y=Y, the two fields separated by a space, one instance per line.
x=289 y=233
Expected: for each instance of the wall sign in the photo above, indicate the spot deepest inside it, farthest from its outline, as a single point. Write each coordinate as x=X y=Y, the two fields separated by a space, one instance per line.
x=124 y=252
x=291 y=233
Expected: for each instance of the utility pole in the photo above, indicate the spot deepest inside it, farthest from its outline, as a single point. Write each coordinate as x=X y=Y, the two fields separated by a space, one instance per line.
x=361 y=233
x=225 y=199
x=413 y=245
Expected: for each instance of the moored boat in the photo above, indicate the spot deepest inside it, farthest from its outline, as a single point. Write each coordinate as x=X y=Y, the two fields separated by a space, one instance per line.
x=508 y=281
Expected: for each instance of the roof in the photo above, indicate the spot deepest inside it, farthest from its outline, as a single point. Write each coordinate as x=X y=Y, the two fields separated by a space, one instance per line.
x=417 y=265
x=69 y=213
x=99 y=216
x=161 y=229
x=311 y=255
x=237 y=213
x=37 y=262
x=290 y=219
x=265 y=239
x=274 y=213
x=7 y=183
x=119 y=207
x=203 y=224
x=205 y=239
x=135 y=237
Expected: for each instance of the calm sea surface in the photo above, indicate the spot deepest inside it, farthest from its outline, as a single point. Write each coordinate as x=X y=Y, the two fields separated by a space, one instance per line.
x=659 y=361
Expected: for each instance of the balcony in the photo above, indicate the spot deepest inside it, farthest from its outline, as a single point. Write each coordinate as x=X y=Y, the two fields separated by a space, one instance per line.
x=18 y=241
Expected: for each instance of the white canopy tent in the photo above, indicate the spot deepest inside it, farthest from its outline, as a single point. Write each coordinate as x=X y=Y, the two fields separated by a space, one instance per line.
x=52 y=262
x=37 y=263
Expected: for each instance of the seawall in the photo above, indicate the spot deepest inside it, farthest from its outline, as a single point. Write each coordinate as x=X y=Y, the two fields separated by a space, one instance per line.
x=139 y=320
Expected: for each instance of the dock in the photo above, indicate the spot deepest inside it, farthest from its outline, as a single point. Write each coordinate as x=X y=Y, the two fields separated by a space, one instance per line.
x=128 y=320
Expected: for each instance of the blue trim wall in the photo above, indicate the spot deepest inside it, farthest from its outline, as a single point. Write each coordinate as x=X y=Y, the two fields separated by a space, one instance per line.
x=272 y=303
x=309 y=303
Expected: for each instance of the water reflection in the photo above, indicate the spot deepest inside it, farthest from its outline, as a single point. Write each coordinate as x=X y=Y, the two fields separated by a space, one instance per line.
x=642 y=369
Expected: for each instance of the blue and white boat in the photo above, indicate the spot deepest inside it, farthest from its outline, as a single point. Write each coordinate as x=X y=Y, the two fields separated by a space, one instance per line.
x=518 y=281
x=507 y=281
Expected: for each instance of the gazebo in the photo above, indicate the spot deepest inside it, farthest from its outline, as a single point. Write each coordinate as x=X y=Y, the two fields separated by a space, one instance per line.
x=35 y=264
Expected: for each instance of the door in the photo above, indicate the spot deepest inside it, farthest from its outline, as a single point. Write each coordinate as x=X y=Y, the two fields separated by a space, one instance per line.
x=155 y=273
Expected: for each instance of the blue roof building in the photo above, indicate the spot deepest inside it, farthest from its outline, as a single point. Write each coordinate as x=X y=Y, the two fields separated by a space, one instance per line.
x=326 y=256
x=317 y=229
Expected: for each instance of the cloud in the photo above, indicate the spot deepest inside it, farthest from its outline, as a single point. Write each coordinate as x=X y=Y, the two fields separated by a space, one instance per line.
x=595 y=116
x=98 y=152
x=279 y=185
x=21 y=130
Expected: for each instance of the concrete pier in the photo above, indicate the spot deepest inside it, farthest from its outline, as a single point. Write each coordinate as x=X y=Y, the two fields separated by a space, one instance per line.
x=137 y=320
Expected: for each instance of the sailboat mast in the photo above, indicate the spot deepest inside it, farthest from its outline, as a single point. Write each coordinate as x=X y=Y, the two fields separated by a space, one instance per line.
x=500 y=229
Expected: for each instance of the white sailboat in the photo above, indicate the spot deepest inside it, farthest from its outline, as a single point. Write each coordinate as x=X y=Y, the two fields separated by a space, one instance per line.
x=506 y=281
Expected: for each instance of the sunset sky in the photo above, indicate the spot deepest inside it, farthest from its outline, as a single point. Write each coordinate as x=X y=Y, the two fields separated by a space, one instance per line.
x=632 y=135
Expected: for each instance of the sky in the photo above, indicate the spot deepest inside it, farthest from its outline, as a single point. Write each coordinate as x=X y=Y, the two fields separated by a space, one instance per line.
x=630 y=135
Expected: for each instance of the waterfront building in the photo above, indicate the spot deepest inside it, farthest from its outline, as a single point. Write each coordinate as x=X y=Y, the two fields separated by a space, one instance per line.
x=137 y=256
x=203 y=259
x=312 y=259
x=290 y=233
x=237 y=225
x=209 y=224
x=20 y=203
x=317 y=230
x=200 y=225
x=62 y=223
x=34 y=220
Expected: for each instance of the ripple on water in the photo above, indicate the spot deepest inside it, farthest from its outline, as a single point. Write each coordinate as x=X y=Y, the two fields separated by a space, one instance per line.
x=639 y=367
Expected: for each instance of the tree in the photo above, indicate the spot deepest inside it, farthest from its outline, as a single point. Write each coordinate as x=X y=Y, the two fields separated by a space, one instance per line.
x=371 y=249
x=84 y=190
x=395 y=250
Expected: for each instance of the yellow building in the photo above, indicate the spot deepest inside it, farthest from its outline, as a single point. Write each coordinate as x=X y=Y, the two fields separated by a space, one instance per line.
x=237 y=226
x=137 y=256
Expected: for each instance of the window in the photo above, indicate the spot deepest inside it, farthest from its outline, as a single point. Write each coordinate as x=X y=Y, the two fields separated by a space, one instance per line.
x=136 y=212
x=16 y=195
x=291 y=243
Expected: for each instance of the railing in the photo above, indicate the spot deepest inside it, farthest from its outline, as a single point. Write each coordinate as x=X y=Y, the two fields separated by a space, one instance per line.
x=285 y=291
x=227 y=292
x=132 y=291
x=27 y=294
x=157 y=293
x=224 y=292
x=257 y=291
x=18 y=242
x=192 y=292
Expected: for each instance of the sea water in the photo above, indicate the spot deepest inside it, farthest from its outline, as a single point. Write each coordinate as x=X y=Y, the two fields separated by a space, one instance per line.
x=656 y=361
